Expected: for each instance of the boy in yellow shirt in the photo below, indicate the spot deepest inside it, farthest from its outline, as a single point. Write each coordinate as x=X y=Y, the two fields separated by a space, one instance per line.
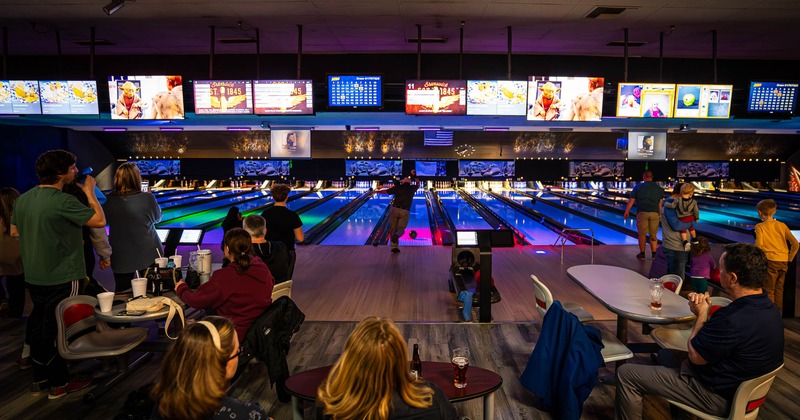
x=772 y=237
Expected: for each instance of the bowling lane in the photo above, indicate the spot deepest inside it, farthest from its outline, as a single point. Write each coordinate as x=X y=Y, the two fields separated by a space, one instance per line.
x=197 y=198
x=464 y=217
x=168 y=215
x=316 y=215
x=357 y=228
x=535 y=232
x=419 y=222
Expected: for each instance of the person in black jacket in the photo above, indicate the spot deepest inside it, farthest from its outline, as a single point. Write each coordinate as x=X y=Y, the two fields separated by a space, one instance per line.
x=400 y=211
x=273 y=253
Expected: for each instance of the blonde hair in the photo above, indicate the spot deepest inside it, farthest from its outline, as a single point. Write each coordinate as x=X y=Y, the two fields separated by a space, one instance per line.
x=373 y=368
x=192 y=379
x=767 y=207
x=127 y=179
x=687 y=188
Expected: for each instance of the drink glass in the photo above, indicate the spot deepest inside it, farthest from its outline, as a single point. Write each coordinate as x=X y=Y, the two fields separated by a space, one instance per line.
x=139 y=287
x=656 y=291
x=460 y=365
x=106 y=301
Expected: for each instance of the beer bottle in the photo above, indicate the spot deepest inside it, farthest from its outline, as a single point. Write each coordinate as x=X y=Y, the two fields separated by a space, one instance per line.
x=416 y=364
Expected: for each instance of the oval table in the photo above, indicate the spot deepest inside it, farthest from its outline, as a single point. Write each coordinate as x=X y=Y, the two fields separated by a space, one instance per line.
x=480 y=383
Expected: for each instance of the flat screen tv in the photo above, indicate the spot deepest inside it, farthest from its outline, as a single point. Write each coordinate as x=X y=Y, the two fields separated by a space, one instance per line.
x=436 y=97
x=146 y=97
x=261 y=167
x=69 y=97
x=283 y=97
x=595 y=169
x=565 y=98
x=431 y=167
x=496 y=97
x=191 y=236
x=355 y=92
x=486 y=168
x=223 y=97
x=647 y=145
x=380 y=168
x=158 y=167
x=772 y=97
x=704 y=170
x=703 y=101
x=19 y=97
x=294 y=144
x=645 y=100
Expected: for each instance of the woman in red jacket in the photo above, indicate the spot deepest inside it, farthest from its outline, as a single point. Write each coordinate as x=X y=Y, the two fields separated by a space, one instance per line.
x=241 y=291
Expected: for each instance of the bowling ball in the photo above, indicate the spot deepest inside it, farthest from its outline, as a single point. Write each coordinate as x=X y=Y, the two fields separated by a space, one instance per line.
x=413 y=234
x=688 y=99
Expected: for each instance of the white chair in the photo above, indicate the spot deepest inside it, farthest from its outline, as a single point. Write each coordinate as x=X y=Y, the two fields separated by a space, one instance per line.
x=749 y=398
x=544 y=299
x=678 y=339
x=282 y=289
x=672 y=282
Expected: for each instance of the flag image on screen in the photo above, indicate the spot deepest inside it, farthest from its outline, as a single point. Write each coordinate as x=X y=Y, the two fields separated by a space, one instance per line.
x=146 y=97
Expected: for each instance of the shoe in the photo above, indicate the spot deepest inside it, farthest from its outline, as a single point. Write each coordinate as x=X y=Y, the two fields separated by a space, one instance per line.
x=694 y=242
x=77 y=383
x=39 y=388
x=687 y=246
x=640 y=255
x=24 y=363
x=395 y=250
x=653 y=254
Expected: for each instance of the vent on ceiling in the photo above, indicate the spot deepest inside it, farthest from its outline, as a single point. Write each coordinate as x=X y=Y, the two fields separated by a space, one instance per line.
x=86 y=42
x=244 y=40
x=427 y=40
x=604 y=12
x=622 y=43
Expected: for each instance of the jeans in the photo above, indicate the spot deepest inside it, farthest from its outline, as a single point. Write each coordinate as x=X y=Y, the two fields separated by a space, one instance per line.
x=676 y=261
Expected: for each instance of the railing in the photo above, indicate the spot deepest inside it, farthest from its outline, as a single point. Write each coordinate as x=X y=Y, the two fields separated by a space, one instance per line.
x=564 y=236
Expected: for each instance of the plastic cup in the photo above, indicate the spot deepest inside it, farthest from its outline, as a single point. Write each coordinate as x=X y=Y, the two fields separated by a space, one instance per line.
x=162 y=262
x=139 y=287
x=177 y=260
x=106 y=300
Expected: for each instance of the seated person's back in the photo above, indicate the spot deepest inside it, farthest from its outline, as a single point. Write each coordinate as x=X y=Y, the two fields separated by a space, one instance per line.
x=274 y=253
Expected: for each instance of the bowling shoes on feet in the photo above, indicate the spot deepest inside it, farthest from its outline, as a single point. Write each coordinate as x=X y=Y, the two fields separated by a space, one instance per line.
x=395 y=250
x=640 y=255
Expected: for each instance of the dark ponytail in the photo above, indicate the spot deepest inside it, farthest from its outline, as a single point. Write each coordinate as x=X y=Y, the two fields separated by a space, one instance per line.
x=240 y=248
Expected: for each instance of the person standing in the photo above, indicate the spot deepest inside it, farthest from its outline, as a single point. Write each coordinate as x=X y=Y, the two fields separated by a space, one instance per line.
x=10 y=259
x=647 y=197
x=273 y=253
x=48 y=223
x=132 y=217
x=232 y=220
x=283 y=224
x=400 y=211
x=773 y=236
x=671 y=241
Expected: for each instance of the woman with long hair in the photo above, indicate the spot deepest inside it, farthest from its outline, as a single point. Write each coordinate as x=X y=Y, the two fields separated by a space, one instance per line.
x=241 y=291
x=132 y=216
x=10 y=258
x=195 y=374
x=371 y=380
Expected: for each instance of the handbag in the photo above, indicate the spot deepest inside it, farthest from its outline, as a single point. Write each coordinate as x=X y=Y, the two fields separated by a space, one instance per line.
x=156 y=304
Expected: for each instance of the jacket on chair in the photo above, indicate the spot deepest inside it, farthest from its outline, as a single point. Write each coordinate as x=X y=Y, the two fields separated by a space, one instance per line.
x=269 y=336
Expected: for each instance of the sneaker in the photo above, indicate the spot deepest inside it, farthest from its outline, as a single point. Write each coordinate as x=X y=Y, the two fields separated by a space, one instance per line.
x=24 y=363
x=39 y=388
x=395 y=250
x=695 y=242
x=77 y=383
x=653 y=254
x=687 y=246
x=640 y=255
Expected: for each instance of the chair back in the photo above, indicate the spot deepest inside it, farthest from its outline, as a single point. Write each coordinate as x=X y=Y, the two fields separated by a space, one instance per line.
x=74 y=314
x=282 y=289
x=718 y=302
x=751 y=395
x=542 y=294
x=672 y=282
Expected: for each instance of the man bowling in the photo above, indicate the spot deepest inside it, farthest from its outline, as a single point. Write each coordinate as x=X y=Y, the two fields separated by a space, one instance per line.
x=399 y=212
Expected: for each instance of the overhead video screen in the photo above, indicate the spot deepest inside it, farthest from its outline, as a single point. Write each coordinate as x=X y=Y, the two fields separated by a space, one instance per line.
x=364 y=91
x=647 y=145
x=19 y=97
x=295 y=144
x=431 y=167
x=703 y=101
x=772 y=97
x=486 y=168
x=224 y=97
x=436 y=97
x=146 y=97
x=496 y=97
x=69 y=97
x=645 y=100
x=696 y=170
x=283 y=97
x=160 y=167
x=593 y=169
x=373 y=167
x=261 y=167
x=565 y=98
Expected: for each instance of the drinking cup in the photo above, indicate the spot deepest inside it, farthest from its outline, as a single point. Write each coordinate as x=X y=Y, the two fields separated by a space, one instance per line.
x=656 y=291
x=106 y=300
x=162 y=262
x=177 y=260
x=205 y=256
x=460 y=362
x=139 y=287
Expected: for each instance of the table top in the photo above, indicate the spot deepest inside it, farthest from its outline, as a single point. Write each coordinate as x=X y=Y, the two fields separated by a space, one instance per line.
x=480 y=382
x=627 y=294
x=113 y=315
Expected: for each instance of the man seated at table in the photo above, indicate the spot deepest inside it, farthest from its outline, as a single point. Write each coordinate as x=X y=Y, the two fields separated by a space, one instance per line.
x=742 y=341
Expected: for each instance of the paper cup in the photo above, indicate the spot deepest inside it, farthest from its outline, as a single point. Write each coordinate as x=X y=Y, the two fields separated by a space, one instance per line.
x=177 y=260
x=139 y=287
x=205 y=255
x=106 y=300
x=162 y=262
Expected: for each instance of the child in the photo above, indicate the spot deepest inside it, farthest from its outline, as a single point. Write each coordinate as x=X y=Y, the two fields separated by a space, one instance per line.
x=772 y=237
x=687 y=212
x=702 y=264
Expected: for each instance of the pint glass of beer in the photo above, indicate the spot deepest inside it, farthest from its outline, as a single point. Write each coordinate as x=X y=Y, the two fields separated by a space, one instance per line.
x=460 y=365
x=656 y=291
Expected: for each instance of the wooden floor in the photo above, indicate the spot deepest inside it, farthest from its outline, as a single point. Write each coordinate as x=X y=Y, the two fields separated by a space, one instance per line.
x=337 y=286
